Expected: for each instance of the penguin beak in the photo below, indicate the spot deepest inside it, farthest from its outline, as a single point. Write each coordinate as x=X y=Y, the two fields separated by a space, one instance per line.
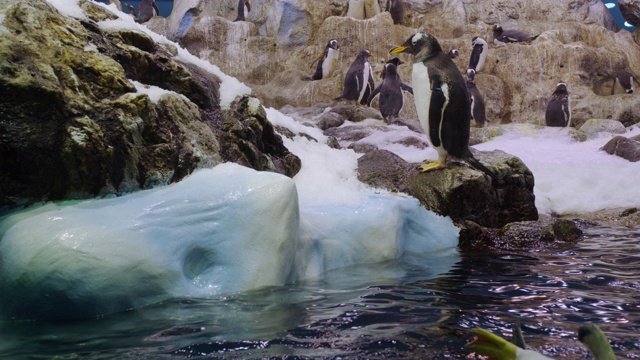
x=398 y=50
x=492 y=27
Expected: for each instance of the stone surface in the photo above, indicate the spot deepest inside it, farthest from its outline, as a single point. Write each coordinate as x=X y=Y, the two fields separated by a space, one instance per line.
x=89 y=112
x=624 y=147
x=593 y=128
x=459 y=191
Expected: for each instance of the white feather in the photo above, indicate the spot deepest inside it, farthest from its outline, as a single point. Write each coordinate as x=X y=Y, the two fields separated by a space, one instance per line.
x=365 y=79
x=328 y=63
x=422 y=97
x=569 y=105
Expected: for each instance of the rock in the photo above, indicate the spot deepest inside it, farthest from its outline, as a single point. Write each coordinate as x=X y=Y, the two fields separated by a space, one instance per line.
x=459 y=191
x=100 y=111
x=624 y=147
x=330 y=120
x=595 y=127
x=543 y=233
x=356 y=113
x=630 y=10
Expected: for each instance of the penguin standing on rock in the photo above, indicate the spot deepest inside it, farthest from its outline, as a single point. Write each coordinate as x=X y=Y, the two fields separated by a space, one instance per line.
x=390 y=91
x=358 y=83
x=147 y=9
x=478 y=54
x=326 y=61
x=558 y=112
x=396 y=9
x=441 y=100
x=244 y=7
x=477 y=108
x=502 y=37
x=623 y=83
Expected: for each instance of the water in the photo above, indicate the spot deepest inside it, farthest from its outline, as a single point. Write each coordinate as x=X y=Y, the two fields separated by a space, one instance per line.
x=407 y=312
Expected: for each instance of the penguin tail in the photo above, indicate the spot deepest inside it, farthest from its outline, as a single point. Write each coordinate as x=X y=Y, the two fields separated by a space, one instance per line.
x=534 y=37
x=479 y=166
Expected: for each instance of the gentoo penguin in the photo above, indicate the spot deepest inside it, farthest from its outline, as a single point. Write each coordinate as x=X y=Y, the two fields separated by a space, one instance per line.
x=243 y=8
x=495 y=347
x=390 y=91
x=502 y=37
x=623 y=83
x=559 y=107
x=395 y=61
x=363 y=9
x=129 y=9
x=453 y=53
x=441 y=100
x=326 y=61
x=478 y=54
x=396 y=9
x=358 y=83
x=477 y=101
x=147 y=9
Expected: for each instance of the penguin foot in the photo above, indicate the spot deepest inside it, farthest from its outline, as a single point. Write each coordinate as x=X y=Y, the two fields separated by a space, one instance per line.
x=430 y=166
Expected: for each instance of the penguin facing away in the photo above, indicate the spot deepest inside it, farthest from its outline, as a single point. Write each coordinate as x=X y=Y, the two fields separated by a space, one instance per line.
x=395 y=61
x=478 y=54
x=558 y=113
x=147 y=9
x=244 y=7
x=390 y=91
x=326 y=61
x=502 y=37
x=623 y=83
x=477 y=108
x=441 y=100
x=358 y=83
x=396 y=9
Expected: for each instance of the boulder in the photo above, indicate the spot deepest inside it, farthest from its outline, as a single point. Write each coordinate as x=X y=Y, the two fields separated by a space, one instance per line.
x=630 y=10
x=624 y=147
x=459 y=191
x=595 y=127
x=97 y=109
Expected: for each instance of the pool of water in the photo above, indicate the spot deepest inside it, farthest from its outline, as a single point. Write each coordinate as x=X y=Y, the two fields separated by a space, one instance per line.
x=406 y=312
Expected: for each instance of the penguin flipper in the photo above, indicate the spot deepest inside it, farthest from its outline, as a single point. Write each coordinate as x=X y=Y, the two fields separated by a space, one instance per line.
x=155 y=8
x=318 y=58
x=407 y=88
x=248 y=5
x=479 y=166
x=373 y=95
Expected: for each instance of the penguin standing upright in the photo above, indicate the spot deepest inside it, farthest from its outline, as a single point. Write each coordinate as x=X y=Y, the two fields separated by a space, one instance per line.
x=326 y=61
x=441 y=100
x=358 y=83
x=390 y=91
x=363 y=9
x=478 y=54
x=244 y=7
x=623 y=83
x=147 y=9
x=396 y=9
x=477 y=109
x=558 y=112
x=371 y=8
x=502 y=37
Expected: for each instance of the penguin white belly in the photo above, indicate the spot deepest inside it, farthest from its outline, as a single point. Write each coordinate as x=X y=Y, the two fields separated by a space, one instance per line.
x=483 y=57
x=328 y=65
x=569 y=111
x=365 y=79
x=422 y=94
x=371 y=8
x=356 y=9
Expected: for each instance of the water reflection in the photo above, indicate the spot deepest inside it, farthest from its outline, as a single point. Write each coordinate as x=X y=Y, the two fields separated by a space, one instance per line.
x=412 y=308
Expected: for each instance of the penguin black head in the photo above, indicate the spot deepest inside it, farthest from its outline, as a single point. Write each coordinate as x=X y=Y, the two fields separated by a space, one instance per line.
x=421 y=45
x=496 y=28
x=333 y=43
x=395 y=61
x=561 y=88
x=390 y=69
x=471 y=75
x=364 y=55
x=454 y=53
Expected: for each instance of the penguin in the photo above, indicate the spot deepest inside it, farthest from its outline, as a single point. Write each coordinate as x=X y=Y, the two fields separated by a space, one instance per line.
x=442 y=101
x=495 y=347
x=477 y=109
x=502 y=37
x=243 y=8
x=326 y=61
x=358 y=83
x=558 y=112
x=453 y=53
x=596 y=341
x=147 y=9
x=623 y=83
x=478 y=54
x=396 y=9
x=395 y=61
x=390 y=91
x=130 y=10
x=363 y=9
